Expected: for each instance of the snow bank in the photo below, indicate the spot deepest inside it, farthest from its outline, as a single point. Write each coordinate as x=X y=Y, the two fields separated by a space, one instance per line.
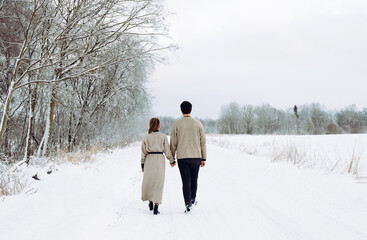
x=20 y=177
x=335 y=153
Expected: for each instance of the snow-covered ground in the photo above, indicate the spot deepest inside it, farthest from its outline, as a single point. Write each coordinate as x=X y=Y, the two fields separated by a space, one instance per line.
x=332 y=153
x=243 y=194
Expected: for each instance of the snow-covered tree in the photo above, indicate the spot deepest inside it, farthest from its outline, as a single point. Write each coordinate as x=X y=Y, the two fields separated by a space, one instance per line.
x=69 y=61
x=230 y=119
x=351 y=120
x=249 y=118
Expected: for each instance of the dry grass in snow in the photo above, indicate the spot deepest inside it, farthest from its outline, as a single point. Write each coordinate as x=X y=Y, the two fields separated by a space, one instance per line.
x=334 y=153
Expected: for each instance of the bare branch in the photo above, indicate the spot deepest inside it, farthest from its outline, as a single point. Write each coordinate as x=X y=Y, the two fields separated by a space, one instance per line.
x=77 y=75
x=2 y=4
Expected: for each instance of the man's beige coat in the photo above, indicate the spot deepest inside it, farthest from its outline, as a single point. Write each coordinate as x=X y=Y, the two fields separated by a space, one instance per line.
x=188 y=139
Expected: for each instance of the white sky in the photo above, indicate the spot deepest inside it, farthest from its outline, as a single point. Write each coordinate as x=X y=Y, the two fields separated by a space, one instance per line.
x=281 y=52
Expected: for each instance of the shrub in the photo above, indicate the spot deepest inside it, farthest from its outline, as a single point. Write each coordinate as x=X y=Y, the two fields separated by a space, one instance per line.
x=332 y=128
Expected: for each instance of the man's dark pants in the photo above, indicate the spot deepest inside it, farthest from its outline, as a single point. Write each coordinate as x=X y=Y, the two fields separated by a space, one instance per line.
x=189 y=169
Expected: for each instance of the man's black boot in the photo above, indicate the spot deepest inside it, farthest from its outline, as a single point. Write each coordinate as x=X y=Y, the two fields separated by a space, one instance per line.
x=156 y=212
x=188 y=208
x=150 y=206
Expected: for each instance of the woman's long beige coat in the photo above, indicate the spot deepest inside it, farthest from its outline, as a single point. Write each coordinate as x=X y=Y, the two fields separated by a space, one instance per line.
x=154 y=166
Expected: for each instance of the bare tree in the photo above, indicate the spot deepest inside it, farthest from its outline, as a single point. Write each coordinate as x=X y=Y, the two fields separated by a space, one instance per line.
x=351 y=120
x=166 y=124
x=249 y=118
x=230 y=119
x=209 y=125
x=267 y=119
x=69 y=46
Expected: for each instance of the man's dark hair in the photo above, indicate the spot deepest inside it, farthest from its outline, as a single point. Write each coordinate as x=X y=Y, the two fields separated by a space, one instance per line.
x=186 y=107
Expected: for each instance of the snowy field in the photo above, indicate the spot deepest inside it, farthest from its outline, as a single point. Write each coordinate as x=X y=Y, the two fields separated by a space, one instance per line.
x=335 y=153
x=253 y=187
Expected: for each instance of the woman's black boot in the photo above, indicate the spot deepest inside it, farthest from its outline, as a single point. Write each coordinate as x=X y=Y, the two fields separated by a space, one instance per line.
x=150 y=206
x=156 y=212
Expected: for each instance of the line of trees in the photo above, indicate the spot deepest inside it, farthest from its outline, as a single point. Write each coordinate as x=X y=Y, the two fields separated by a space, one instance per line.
x=306 y=119
x=72 y=72
x=264 y=119
x=208 y=124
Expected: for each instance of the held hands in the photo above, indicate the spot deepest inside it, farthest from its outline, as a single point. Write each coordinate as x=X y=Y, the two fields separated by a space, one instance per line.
x=173 y=164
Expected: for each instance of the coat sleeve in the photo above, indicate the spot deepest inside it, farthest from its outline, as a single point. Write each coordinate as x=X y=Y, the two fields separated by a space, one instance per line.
x=202 y=142
x=144 y=151
x=167 y=150
x=173 y=141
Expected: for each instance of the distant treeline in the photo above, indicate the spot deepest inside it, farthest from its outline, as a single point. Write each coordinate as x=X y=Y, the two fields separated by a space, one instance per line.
x=209 y=124
x=265 y=119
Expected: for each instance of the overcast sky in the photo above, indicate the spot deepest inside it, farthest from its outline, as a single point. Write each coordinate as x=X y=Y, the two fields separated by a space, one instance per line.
x=281 y=52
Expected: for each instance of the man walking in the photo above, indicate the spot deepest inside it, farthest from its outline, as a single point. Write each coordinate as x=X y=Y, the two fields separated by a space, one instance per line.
x=188 y=144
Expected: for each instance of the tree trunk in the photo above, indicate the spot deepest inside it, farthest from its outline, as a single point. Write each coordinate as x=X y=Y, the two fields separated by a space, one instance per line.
x=7 y=150
x=32 y=107
x=5 y=117
x=50 y=121
x=70 y=137
x=80 y=122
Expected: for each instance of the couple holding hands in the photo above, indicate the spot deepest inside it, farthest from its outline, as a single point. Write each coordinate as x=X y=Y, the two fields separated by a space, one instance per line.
x=187 y=143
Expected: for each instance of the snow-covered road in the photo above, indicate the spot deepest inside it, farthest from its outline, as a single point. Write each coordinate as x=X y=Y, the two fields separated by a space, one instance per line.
x=240 y=197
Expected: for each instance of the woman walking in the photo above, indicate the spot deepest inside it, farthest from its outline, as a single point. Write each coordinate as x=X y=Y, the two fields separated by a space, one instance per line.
x=153 y=164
